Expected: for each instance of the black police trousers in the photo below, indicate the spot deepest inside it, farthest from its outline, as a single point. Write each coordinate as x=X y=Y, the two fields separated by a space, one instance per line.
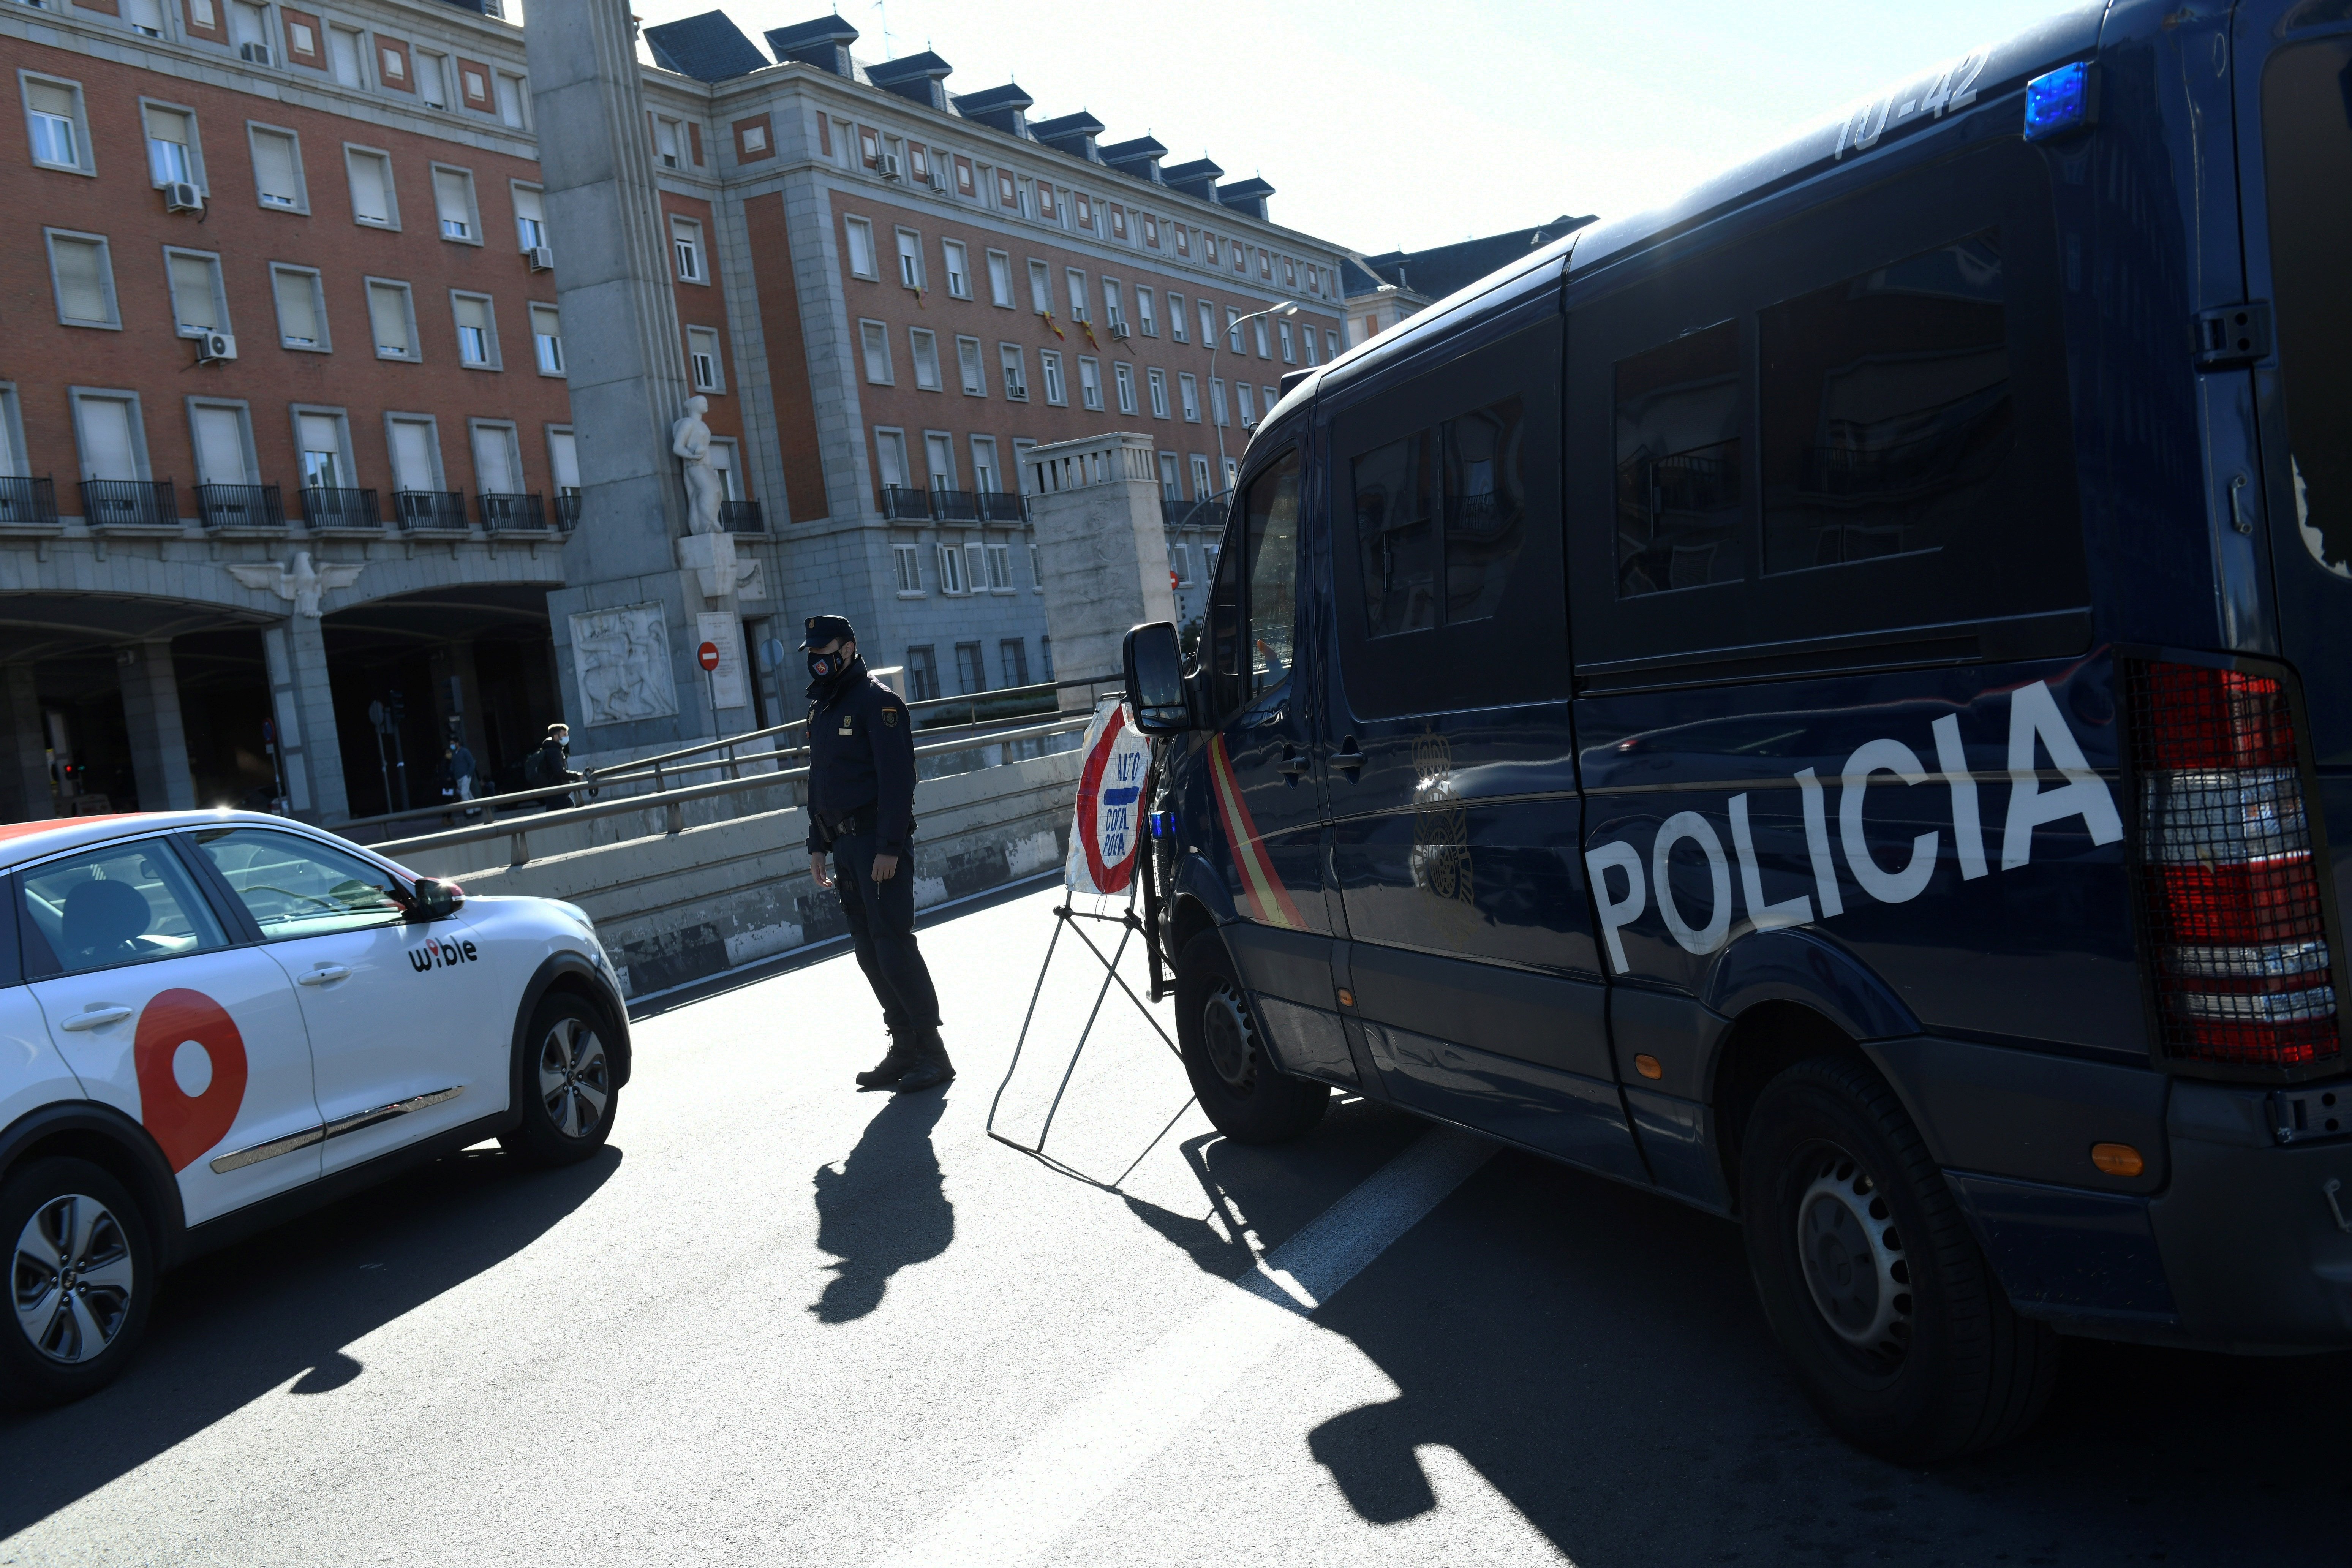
x=882 y=930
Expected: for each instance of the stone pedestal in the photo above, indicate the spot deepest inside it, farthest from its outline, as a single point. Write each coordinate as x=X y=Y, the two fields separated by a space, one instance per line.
x=1102 y=547
x=25 y=793
x=151 y=712
x=302 y=712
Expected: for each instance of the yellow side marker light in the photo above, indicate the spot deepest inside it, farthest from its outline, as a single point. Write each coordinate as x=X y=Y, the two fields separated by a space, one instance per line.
x=1648 y=1066
x=1347 y=997
x=2118 y=1159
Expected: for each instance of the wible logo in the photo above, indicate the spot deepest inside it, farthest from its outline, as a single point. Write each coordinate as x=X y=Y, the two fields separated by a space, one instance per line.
x=437 y=953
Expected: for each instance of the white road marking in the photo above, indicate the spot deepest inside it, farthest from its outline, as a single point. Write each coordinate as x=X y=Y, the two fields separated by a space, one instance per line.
x=1086 y=1452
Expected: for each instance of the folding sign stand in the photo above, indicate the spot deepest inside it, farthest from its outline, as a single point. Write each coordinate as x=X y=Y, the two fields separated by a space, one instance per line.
x=1066 y=918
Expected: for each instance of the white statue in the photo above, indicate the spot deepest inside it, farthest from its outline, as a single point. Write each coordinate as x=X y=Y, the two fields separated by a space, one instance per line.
x=300 y=581
x=690 y=439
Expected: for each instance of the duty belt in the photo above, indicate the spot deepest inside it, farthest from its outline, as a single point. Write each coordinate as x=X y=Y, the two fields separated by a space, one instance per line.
x=858 y=821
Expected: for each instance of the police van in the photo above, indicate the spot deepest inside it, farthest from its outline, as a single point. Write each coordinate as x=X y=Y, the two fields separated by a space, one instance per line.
x=1829 y=700
x=210 y=1021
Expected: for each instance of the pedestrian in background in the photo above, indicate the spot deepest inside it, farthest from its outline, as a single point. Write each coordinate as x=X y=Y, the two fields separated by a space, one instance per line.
x=862 y=814
x=552 y=764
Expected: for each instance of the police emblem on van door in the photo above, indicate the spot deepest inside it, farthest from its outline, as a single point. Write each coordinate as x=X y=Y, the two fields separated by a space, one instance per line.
x=1441 y=827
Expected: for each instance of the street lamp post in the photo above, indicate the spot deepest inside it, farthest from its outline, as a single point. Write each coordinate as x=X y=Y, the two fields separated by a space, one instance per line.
x=1286 y=308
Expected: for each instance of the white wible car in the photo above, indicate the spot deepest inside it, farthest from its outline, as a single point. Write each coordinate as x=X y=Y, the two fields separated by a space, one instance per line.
x=210 y=1021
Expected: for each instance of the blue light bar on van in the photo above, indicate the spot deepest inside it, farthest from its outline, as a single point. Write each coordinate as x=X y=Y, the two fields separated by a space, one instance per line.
x=2059 y=102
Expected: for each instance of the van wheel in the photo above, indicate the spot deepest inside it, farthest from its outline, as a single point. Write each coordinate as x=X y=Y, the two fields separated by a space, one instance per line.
x=1224 y=1053
x=1900 y=1333
x=81 y=1272
x=563 y=1085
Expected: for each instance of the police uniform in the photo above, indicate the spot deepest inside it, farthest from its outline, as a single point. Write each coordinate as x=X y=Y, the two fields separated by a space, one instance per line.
x=861 y=804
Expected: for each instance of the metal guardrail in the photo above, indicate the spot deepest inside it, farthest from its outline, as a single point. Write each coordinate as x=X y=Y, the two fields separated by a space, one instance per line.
x=519 y=829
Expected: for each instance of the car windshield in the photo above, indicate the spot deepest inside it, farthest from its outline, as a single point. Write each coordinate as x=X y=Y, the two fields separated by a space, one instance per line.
x=293 y=887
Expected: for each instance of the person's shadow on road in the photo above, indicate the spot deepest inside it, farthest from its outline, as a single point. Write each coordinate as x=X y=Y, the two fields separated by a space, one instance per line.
x=882 y=1208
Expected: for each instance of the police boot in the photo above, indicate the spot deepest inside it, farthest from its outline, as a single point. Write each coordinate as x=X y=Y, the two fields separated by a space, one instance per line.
x=901 y=1055
x=930 y=1067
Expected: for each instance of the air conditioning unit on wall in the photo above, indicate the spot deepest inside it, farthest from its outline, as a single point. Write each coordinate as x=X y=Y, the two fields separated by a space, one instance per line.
x=215 y=348
x=1118 y=331
x=180 y=196
x=254 y=54
x=540 y=257
x=887 y=165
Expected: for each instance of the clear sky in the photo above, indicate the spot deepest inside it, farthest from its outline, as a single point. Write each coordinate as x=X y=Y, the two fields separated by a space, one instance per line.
x=1383 y=124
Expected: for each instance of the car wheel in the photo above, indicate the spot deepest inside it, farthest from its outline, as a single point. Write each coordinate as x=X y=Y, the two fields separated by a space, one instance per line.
x=81 y=1273
x=1900 y=1333
x=564 y=1084
x=1235 y=1079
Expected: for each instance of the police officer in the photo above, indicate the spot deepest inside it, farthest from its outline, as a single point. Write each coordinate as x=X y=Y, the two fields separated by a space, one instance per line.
x=862 y=814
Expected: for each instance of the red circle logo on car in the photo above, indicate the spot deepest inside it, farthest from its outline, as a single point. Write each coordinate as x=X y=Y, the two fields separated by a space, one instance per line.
x=191 y=1063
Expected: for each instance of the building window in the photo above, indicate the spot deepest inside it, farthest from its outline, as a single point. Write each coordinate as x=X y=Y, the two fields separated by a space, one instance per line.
x=1307 y=341
x=547 y=339
x=510 y=101
x=1016 y=379
x=344 y=51
x=112 y=436
x=54 y=119
x=890 y=458
x=392 y=316
x=1234 y=330
x=530 y=217
x=1209 y=326
x=278 y=170
x=1090 y=383
x=146 y=19
x=1330 y=345
x=1041 y=288
x=922 y=674
x=939 y=460
x=478 y=333
x=1049 y=370
x=224 y=443
x=875 y=337
x=924 y=345
x=1011 y=654
x=959 y=269
x=1123 y=374
x=1287 y=356
x=198 y=306
x=1217 y=400
x=685 y=241
x=432 y=78
x=1257 y=331
x=1000 y=572
x=82 y=273
x=1244 y=401
x=975 y=376
x=910 y=260
x=984 y=477
x=1159 y=380
x=371 y=178
x=1077 y=281
x=952 y=578
x=1000 y=280
x=907 y=560
x=861 y=248
x=972 y=676
x=301 y=308
x=702 y=358
x=1183 y=240
x=323 y=445
x=1176 y=318
x=665 y=141
x=1044 y=643
x=1171 y=487
x=452 y=200
x=1143 y=316
x=1188 y=391
x=1203 y=489
x=1114 y=317
x=172 y=156
x=497 y=460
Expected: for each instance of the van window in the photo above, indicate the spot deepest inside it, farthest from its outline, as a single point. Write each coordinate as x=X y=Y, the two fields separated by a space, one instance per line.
x=1445 y=531
x=1271 y=508
x=1225 y=628
x=1680 y=409
x=2307 y=159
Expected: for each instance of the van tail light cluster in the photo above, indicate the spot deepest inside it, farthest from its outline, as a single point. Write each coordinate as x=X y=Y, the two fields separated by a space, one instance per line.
x=2231 y=919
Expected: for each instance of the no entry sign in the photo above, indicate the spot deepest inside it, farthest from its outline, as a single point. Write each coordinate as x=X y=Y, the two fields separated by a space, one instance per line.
x=1109 y=829
x=708 y=654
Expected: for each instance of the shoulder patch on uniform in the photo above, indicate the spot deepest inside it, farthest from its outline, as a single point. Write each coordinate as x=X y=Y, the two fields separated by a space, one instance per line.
x=890 y=718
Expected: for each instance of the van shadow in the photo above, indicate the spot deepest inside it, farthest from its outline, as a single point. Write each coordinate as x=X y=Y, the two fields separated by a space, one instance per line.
x=232 y=1325
x=1597 y=1354
x=883 y=1208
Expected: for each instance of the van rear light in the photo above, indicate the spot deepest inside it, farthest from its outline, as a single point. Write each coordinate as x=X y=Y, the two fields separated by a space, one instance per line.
x=2232 y=925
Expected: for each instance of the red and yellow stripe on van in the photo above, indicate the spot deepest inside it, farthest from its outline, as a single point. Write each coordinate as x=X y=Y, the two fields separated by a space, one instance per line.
x=1263 y=897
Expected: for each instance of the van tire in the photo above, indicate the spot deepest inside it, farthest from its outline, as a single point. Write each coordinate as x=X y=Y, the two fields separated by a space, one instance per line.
x=1222 y=1040
x=1900 y=1333
x=88 y=1348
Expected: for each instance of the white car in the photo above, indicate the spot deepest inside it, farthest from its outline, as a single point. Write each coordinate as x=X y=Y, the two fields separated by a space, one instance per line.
x=210 y=1021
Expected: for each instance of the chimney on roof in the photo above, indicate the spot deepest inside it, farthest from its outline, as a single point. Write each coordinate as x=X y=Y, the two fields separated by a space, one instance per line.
x=1138 y=159
x=1001 y=108
x=1197 y=179
x=1071 y=133
x=1247 y=196
x=922 y=78
x=823 y=42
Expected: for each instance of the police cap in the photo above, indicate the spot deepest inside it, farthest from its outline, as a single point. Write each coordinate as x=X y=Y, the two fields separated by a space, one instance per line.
x=819 y=630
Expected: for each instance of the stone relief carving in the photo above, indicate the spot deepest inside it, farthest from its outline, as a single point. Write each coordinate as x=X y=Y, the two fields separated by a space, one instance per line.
x=689 y=438
x=300 y=581
x=621 y=657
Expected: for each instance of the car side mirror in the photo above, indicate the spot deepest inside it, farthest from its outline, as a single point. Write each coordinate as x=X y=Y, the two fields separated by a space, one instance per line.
x=435 y=899
x=1153 y=665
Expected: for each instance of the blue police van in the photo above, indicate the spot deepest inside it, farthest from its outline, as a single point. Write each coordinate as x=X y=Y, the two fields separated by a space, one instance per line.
x=1831 y=700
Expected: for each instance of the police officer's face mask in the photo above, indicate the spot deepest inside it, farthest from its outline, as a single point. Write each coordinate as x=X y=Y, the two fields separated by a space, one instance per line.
x=825 y=665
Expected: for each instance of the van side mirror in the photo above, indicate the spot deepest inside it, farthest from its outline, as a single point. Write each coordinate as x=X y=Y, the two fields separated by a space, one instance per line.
x=435 y=899
x=1153 y=665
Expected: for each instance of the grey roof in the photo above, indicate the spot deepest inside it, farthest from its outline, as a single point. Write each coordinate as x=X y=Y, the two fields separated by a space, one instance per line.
x=1133 y=152
x=1198 y=169
x=1079 y=124
x=988 y=99
x=1440 y=269
x=1251 y=189
x=708 y=47
x=907 y=67
x=801 y=35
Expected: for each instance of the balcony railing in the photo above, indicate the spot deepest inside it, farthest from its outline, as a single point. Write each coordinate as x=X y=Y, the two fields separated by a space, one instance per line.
x=903 y=504
x=239 y=506
x=27 y=502
x=130 y=504
x=1001 y=506
x=955 y=506
x=567 y=509
x=325 y=506
x=512 y=513
x=429 y=510
x=741 y=517
x=1208 y=514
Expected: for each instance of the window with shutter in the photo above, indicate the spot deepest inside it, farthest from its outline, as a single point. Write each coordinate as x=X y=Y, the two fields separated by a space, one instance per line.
x=453 y=198
x=371 y=189
x=84 y=295
x=388 y=316
x=274 y=176
x=110 y=439
x=321 y=435
x=531 y=219
x=195 y=307
x=299 y=325
x=56 y=127
x=546 y=338
x=476 y=346
x=171 y=146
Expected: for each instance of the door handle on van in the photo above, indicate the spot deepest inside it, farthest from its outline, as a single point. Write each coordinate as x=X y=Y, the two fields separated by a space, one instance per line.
x=1348 y=759
x=323 y=973
x=98 y=1015
x=1271 y=716
x=1292 y=764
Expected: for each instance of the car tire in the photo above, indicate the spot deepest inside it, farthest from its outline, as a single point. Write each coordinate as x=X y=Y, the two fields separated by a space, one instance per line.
x=564 y=1083
x=1224 y=1044
x=1901 y=1335
x=81 y=1275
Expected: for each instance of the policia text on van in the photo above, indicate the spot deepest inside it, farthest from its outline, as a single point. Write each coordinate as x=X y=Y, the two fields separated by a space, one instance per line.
x=1832 y=701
